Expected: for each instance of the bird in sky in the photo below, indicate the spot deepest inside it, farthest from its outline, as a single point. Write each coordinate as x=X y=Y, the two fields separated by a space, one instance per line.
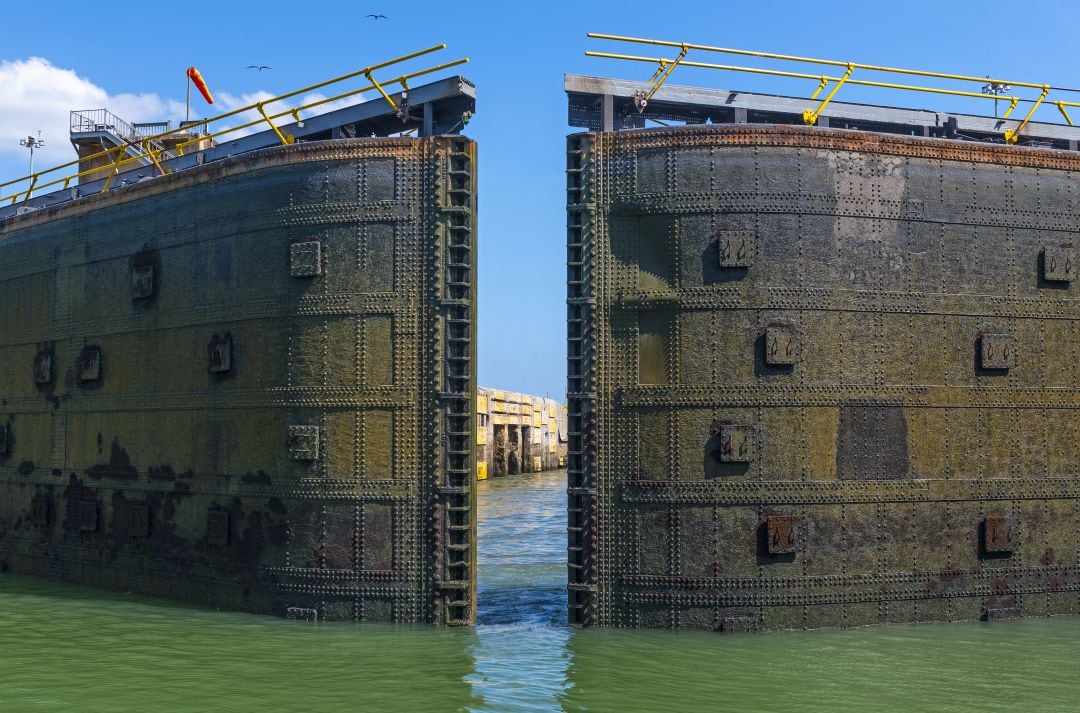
x=259 y=67
x=376 y=18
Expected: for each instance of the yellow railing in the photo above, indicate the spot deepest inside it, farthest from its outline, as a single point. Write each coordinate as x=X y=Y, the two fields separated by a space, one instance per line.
x=122 y=155
x=665 y=66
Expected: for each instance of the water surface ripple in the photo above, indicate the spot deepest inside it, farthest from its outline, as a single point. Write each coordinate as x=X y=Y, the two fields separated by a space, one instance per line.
x=69 y=648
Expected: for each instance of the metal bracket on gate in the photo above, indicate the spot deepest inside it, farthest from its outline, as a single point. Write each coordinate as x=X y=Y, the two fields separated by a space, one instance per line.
x=641 y=100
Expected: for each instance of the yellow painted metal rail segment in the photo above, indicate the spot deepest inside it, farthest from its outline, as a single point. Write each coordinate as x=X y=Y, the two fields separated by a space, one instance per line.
x=665 y=67
x=142 y=151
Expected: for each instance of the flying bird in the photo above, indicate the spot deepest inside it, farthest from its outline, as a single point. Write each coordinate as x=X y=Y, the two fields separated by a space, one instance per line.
x=259 y=67
x=376 y=18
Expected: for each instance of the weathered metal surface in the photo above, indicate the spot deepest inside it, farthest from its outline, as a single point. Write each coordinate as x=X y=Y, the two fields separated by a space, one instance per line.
x=606 y=104
x=203 y=407
x=913 y=458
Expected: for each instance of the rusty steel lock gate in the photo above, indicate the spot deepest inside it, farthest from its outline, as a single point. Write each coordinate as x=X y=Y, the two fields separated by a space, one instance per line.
x=820 y=378
x=250 y=384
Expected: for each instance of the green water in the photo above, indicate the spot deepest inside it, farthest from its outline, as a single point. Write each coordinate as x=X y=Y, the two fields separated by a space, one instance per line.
x=70 y=648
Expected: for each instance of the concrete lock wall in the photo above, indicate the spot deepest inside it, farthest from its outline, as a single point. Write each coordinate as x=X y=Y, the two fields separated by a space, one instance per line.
x=820 y=378
x=250 y=384
x=518 y=433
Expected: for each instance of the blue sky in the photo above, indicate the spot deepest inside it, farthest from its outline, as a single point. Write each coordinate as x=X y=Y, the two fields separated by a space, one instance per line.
x=519 y=53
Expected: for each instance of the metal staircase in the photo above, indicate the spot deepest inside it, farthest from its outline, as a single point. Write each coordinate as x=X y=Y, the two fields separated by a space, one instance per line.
x=103 y=124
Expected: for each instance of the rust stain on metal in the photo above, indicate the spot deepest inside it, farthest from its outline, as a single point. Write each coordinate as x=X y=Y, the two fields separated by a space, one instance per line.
x=176 y=351
x=997 y=535
x=872 y=443
x=918 y=429
x=780 y=534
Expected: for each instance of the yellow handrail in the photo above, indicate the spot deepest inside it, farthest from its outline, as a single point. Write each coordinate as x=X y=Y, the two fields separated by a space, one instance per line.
x=825 y=79
x=810 y=116
x=143 y=152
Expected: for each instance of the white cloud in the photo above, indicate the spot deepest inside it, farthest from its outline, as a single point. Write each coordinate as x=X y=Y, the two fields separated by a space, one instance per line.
x=38 y=96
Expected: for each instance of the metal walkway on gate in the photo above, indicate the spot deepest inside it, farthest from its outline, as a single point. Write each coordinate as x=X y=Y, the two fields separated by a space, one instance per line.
x=607 y=104
x=141 y=151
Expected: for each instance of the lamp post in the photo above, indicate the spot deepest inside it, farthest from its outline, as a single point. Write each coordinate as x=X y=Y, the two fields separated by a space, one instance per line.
x=31 y=143
x=996 y=89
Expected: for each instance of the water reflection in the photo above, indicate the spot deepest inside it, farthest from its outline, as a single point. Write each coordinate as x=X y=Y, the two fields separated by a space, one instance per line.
x=1005 y=666
x=64 y=647
x=522 y=549
x=520 y=650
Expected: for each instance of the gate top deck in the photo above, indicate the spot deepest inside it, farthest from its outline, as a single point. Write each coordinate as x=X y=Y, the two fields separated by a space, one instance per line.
x=605 y=104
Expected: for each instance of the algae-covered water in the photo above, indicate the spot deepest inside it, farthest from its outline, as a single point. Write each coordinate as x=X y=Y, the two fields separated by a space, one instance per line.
x=71 y=648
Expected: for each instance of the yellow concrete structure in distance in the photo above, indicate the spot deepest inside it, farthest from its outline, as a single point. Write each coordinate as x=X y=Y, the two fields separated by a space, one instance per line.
x=517 y=433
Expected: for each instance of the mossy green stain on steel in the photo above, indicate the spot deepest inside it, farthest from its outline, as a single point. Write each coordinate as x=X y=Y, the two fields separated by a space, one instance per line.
x=277 y=411
x=932 y=389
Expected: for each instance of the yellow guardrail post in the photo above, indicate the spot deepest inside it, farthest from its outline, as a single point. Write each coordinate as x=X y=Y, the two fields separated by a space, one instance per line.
x=1061 y=107
x=30 y=188
x=150 y=152
x=812 y=60
x=810 y=116
x=382 y=91
x=120 y=151
x=320 y=102
x=659 y=77
x=1013 y=102
x=823 y=79
x=1011 y=136
x=284 y=138
x=145 y=153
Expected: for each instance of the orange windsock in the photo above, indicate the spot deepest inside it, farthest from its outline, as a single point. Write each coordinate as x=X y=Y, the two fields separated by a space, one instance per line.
x=200 y=84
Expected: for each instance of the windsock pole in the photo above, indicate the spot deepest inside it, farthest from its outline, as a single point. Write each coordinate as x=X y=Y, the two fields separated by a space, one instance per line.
x=193 y=76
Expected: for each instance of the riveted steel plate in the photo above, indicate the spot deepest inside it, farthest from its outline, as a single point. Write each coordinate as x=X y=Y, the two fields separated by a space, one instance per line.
x=43 y=367
x=998 y=351
x=780 y=534
x=219 y=353
x=88 y=364
x=781 y=345
x=142 y=282
x=1058 y=263
x=305 y=258
x=997 y=537
x=304 y=443
x=891 y=437
x=168 y=415
x=736 y=247
x=736 y=443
